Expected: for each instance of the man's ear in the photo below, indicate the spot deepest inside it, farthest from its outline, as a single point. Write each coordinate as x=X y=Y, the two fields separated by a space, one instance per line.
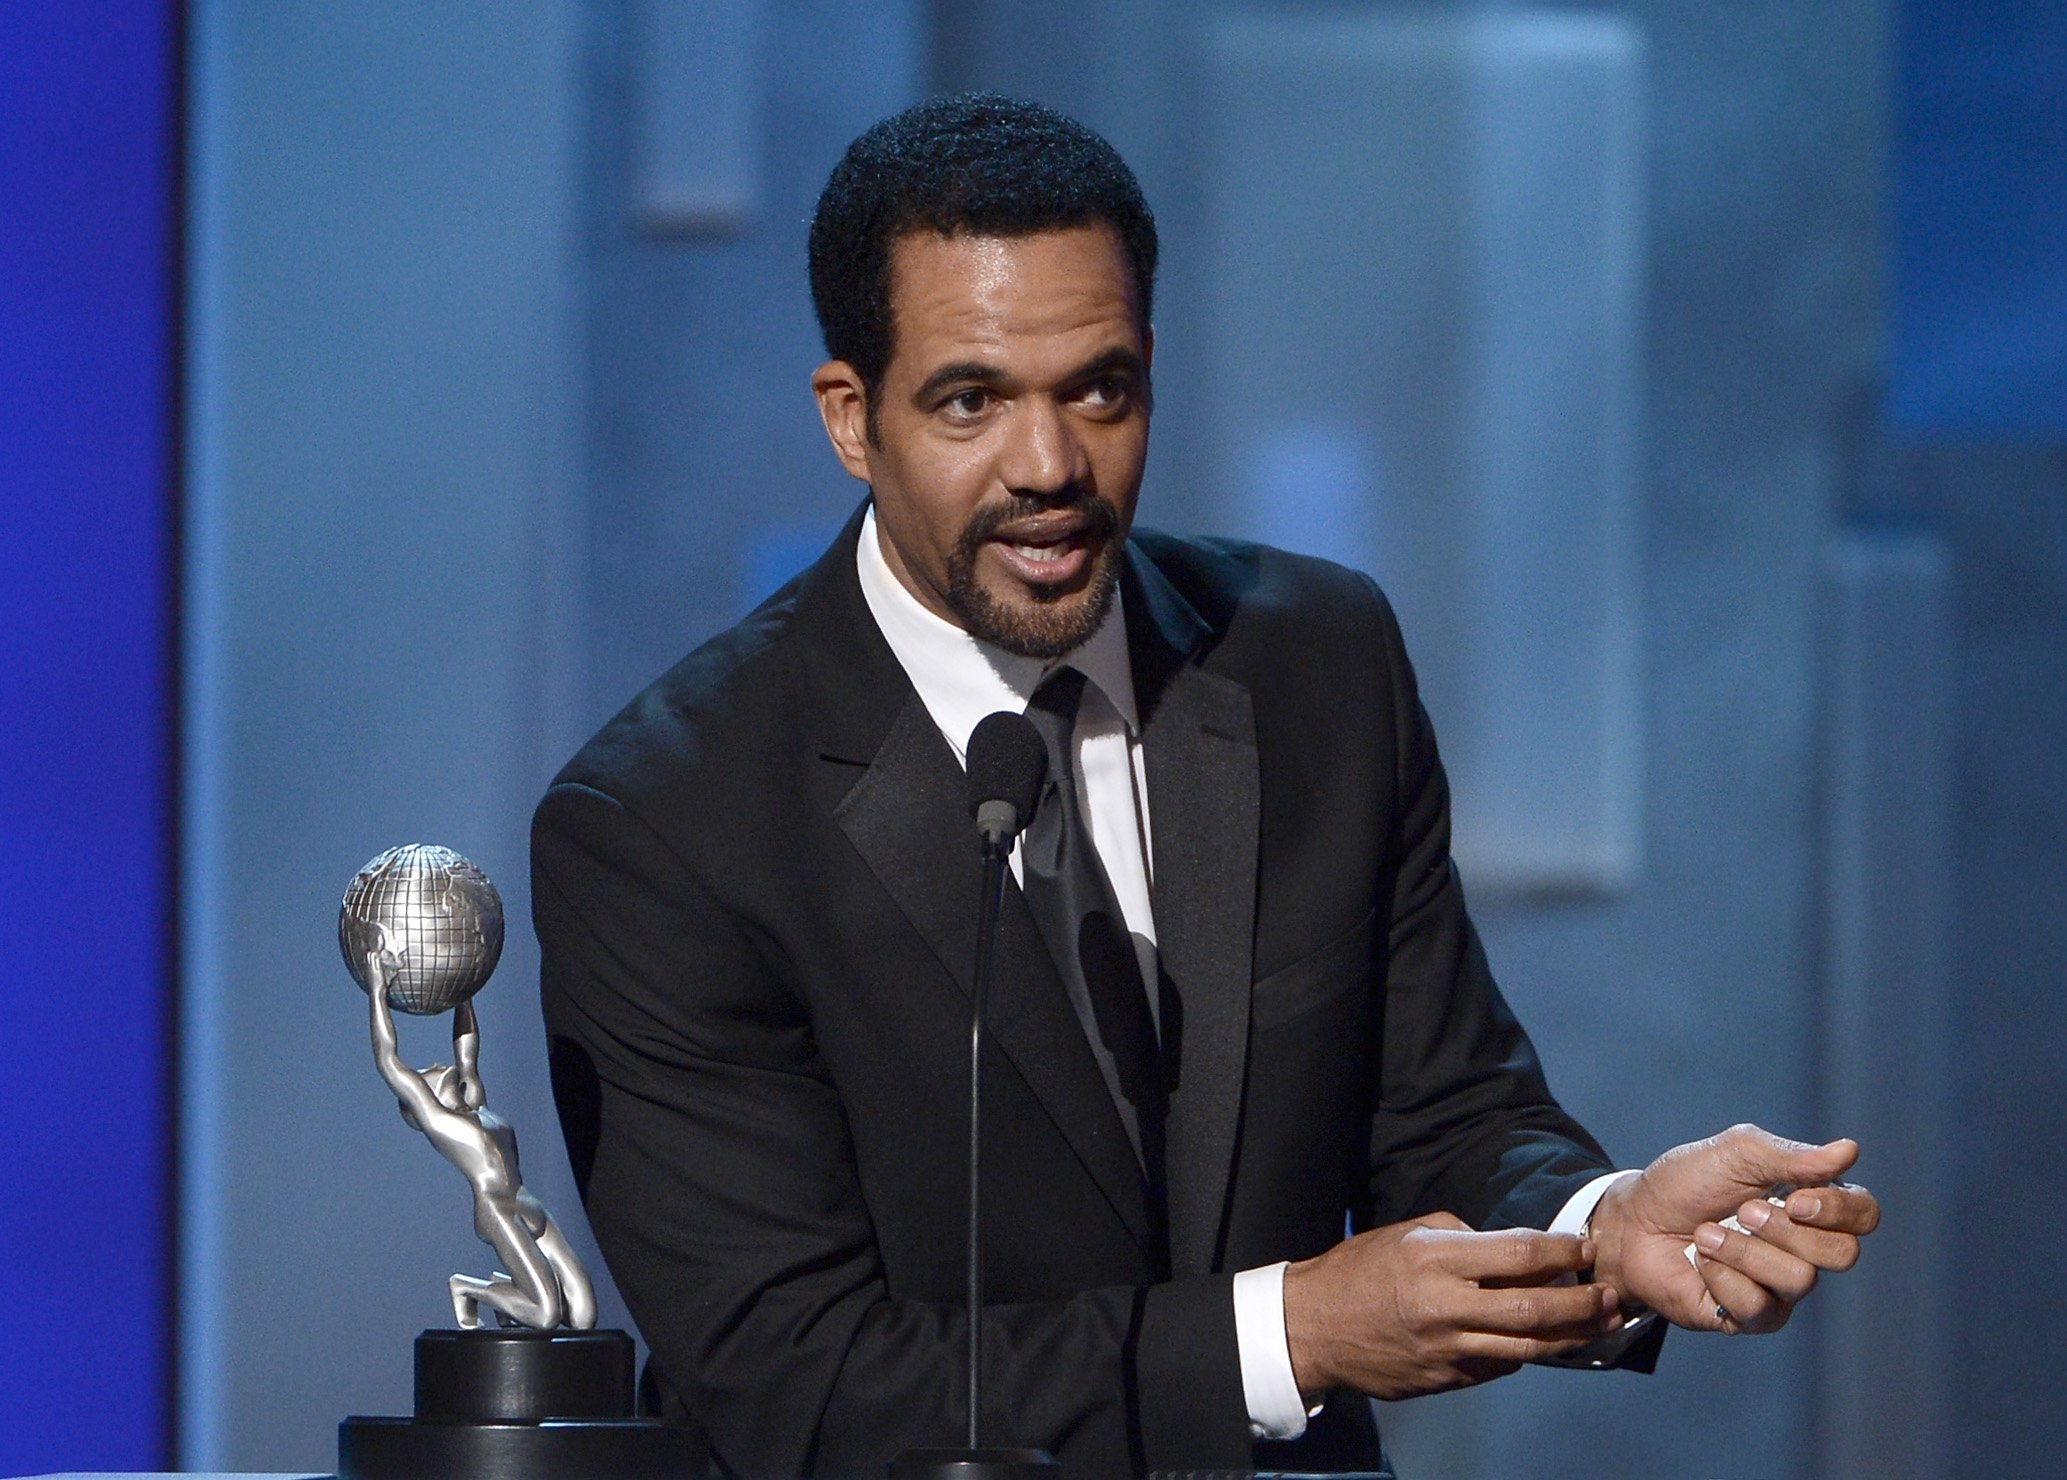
x=843 y=407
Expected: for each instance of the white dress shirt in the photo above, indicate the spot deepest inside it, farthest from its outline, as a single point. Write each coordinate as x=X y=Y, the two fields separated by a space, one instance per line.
x=960 y=680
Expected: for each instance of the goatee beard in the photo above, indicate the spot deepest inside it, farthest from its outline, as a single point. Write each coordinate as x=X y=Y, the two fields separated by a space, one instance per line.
x=1058 y=621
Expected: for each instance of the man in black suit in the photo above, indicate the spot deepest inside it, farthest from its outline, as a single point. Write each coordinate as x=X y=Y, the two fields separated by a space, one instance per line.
x=755 y=894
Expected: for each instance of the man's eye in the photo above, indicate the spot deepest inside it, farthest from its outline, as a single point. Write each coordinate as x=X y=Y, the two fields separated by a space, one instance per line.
x=973 y=402
x=1107 y=391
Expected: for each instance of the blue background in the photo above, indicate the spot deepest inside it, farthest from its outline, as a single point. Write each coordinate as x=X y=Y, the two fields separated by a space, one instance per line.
x=88 y=302
x=1981 y=220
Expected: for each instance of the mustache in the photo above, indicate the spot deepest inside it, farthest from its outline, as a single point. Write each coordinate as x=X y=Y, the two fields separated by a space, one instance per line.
x=1101 y=518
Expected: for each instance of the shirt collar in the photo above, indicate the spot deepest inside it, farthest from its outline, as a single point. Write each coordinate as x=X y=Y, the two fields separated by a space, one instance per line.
x=960 y=678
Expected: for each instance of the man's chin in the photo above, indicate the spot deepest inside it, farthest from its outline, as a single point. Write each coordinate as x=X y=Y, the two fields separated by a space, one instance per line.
x=1036 y=625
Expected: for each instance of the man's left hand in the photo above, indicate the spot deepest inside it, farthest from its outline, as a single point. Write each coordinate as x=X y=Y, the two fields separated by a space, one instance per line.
x=1738 y=1282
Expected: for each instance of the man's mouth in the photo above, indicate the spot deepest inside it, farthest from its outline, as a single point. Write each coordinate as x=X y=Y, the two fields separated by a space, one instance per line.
x=1051 y=543
x=1016 y=575
x=1045 y=553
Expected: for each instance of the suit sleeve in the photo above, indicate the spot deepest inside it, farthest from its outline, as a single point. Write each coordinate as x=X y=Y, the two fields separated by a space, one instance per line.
x=714 y=1159
x=1465 y=1121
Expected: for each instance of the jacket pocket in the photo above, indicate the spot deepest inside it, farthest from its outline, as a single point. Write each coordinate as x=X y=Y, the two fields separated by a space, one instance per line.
x=1343 y=965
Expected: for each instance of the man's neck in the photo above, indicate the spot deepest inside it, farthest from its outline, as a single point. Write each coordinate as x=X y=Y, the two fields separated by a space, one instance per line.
x=960 y=677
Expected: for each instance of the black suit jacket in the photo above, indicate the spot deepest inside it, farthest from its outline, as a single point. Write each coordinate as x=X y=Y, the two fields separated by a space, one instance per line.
x=755 y=893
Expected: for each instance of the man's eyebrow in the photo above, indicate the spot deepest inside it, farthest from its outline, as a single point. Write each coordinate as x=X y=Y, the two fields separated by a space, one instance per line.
x=970 y=372
x=1119 y=359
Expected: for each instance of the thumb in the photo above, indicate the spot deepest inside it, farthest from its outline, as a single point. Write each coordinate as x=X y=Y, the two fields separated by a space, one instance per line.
x=1758 y=1157
x=1813 y=1166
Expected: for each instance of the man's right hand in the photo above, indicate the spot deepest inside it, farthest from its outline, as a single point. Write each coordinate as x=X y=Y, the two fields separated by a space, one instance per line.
x=1426 y=1306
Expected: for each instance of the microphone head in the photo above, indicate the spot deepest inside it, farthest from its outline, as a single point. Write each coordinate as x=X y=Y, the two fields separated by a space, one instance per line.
x=1008 y=765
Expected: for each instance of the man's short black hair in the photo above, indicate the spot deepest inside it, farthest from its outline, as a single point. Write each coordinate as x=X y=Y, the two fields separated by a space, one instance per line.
x=976 y=164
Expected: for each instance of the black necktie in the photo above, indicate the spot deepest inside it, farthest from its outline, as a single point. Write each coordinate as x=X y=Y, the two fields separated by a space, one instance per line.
x=1072 y=901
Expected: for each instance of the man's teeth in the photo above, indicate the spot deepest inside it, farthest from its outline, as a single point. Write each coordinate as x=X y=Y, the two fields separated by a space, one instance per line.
x=1040 y=554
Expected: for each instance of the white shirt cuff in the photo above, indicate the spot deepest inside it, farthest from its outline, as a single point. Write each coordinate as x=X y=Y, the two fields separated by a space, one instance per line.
x=1572 y=1218
x=1276 y=1411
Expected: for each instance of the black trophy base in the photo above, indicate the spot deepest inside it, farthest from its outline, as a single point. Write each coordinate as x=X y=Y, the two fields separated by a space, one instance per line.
x=975 y=1464
x=572 y=1449
x=517 y=1405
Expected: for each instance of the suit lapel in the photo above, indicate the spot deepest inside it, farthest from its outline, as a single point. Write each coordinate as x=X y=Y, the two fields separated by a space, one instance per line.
x=1199 y=736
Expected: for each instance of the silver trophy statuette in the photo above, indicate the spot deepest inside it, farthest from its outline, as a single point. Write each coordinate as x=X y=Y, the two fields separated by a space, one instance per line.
x=421 y=930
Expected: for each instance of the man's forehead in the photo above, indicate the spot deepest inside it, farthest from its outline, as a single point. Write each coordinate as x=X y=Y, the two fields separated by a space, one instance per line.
x=924 y=240
x=979 y=284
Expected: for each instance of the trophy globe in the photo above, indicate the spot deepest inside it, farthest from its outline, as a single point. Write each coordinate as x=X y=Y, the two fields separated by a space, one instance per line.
x=433 y=919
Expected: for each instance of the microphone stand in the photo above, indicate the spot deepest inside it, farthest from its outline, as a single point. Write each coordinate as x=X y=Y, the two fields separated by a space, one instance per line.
x=996 y=850
x=976 y=1462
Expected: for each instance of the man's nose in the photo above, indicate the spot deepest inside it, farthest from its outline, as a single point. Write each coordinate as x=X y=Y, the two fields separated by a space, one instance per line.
x=1043 y=456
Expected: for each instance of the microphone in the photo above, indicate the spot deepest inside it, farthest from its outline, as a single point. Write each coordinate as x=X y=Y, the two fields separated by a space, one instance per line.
x=1008 y=765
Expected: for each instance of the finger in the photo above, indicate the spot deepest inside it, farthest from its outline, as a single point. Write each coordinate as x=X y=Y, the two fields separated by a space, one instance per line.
x=1513 y=1254
x=1822 y=1247
x=1494 y=1346
x=1742 y=1303
x=1481 y=1369
x=1442 y=1222
x=1839 y=1206
x=1787 y=1275
x=1558 y=1312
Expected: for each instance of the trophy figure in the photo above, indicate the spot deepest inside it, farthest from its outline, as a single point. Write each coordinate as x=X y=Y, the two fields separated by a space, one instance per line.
x=539 y=1394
